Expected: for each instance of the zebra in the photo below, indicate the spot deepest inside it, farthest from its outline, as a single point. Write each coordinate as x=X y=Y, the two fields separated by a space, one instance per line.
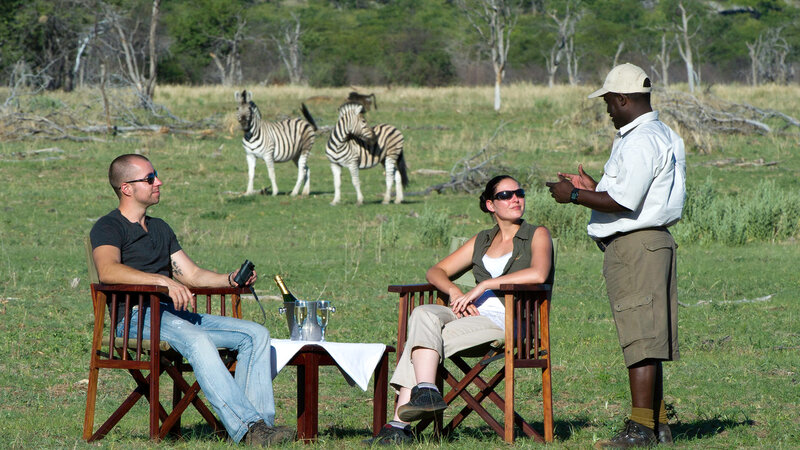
x=356 y=145
x=279 y=141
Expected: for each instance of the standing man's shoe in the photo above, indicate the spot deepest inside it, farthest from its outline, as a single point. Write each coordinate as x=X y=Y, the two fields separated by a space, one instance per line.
x=664 y=434
x=633 y=435
x=424 y=403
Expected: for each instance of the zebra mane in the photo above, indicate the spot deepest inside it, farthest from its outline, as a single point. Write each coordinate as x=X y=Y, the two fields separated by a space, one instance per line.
x=254 y=108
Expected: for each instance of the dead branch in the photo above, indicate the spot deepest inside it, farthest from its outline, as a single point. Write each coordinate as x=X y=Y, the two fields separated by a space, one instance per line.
x=765 y=298
x=712 y=116
x=739 y=162
x=19 y=126
x=470 y=174
x=35 y=155
x=62 y=126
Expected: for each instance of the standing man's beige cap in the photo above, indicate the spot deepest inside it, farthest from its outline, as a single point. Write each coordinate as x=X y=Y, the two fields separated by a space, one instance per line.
x=624 y=79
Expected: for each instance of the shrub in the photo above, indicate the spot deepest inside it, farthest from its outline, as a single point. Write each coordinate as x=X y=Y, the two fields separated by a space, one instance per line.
x=565 y=222
x=765 y=213
x=435 y=228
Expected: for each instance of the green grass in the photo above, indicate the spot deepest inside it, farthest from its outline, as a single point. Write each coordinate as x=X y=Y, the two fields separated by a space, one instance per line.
x=736 y=384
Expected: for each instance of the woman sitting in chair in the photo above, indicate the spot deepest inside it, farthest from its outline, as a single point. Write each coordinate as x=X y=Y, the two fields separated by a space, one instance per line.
x=512 y=252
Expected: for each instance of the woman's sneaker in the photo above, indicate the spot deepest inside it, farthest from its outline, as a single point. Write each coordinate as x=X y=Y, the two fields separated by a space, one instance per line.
x=424 y=403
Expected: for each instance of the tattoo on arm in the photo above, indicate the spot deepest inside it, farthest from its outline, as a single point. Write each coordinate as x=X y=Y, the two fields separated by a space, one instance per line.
x=176 y=270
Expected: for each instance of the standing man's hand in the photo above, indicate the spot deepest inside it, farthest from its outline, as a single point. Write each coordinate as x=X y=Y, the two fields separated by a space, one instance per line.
x=580 y=180
x=561 y=190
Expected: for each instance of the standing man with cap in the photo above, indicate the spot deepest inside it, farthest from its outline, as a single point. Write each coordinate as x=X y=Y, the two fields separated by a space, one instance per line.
x=640 y=194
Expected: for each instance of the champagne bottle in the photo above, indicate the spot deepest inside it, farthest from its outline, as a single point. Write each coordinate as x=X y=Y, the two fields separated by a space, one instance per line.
x=287 y=296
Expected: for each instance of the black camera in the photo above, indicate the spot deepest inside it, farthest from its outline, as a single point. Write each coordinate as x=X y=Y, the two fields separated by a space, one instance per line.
x=244 y=273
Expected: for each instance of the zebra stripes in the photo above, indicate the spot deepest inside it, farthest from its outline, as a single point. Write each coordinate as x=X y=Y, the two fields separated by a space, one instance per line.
x=355 y=145
x=280 y=141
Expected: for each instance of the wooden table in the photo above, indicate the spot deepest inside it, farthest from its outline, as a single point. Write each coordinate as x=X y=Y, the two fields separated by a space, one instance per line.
x=308 y=360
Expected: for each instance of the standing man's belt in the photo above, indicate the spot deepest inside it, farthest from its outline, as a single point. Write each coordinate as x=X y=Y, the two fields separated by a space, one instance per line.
x=603 y=243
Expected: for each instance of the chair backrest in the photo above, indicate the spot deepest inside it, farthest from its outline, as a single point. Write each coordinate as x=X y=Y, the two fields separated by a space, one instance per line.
x=94 y=278
x=466 y=279
x=412 y=296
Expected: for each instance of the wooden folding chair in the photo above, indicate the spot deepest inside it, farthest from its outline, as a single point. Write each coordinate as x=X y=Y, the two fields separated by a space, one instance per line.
x=527 y=310
x=137 y=355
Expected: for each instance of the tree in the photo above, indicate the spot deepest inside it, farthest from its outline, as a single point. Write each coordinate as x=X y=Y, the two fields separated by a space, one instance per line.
x=44 y=36
x=768 y=57
x=287 y=40
x=128 y=42
x=683 y=39
x=494 y=20
x=565 y=42
x=230 y=49
x=663 y=58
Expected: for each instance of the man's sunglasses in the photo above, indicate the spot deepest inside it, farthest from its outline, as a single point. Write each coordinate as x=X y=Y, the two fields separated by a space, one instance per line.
x=506 y=195
x=150 y=178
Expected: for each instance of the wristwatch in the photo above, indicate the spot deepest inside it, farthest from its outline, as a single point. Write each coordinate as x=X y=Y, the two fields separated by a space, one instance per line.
x=573 y=196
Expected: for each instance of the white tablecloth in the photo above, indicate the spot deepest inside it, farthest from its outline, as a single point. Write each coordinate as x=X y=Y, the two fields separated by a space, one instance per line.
x=356 y=361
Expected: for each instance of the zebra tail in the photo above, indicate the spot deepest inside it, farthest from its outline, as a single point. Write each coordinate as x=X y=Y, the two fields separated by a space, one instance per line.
x=401 y=166
x=308 y=117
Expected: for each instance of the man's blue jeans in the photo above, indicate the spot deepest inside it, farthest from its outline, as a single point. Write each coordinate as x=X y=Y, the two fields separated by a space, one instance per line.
x=238 y=401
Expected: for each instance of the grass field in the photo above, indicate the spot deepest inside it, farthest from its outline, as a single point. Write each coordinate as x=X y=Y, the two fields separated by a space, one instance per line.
x=737 y=383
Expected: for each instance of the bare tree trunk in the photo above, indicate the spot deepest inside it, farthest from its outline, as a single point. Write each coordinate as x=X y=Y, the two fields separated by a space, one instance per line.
x=230 y=72
x=754 y=51
x=685 y=47
x=78 y=70
x=288 y=43
x=663 y=59
x=572 y=62
x=553 y=61
x=106 y=109
x=565 y=29
x=498 y=80
x=145 y=85
x=768 y=58
x=150 y=83
x=493 y=20
x=620 y=46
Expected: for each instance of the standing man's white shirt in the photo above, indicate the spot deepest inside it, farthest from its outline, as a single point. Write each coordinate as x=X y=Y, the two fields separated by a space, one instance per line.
x=646 y=166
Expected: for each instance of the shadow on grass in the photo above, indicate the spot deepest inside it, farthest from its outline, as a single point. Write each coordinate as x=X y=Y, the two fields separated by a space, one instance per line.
x=705 y=428
x=563 y=430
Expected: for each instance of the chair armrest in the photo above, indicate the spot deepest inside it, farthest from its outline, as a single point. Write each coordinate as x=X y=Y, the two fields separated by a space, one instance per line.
x=408 y=288
x=526 y=287
x=130 y=288
x=220 y=291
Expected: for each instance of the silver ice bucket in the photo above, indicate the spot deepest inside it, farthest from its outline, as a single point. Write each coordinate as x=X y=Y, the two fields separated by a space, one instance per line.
x=311 y=329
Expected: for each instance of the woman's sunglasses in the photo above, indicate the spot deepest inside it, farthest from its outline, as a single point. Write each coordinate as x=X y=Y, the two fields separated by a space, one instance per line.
x=150 y=178
x=506 y=195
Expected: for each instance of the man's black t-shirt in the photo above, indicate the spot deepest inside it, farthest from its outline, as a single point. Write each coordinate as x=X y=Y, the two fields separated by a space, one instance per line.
x=148 y=251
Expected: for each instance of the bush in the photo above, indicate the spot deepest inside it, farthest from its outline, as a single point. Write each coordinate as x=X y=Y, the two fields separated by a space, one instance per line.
x=435 y=228
x=765 y=213
x=565 y=222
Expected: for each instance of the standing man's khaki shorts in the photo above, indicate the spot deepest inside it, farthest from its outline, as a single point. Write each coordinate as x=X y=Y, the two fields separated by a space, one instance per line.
x=639 y=269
